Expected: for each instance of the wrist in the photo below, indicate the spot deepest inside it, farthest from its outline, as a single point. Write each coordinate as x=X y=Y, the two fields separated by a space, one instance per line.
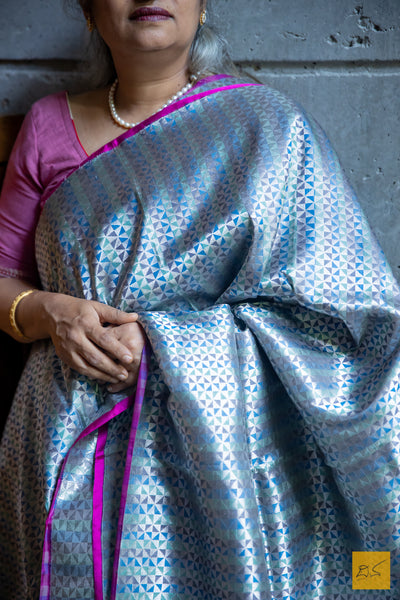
x=32 y=316
x=15 y=329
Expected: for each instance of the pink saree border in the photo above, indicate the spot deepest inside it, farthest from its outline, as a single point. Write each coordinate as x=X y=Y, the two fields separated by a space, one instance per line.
x=98 y=490
x=46 y=561
x=100 y=423
x=160 y=114
x=141 y=384
x=156 y=117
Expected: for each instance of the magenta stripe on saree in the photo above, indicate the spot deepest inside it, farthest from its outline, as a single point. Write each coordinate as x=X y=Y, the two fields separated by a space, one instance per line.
x=98 y=494
x=100 y=424
x=162 y=113
x=141 y=385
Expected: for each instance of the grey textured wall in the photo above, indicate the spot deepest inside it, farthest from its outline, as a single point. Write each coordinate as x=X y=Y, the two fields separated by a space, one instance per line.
x=339 y=58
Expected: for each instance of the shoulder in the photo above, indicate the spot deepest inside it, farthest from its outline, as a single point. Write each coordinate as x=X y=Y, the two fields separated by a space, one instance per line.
x=47 y=111
x=263 y=110
x=51 y=102
x=51 y=119
x=265 y=113
x=267 y=97
x=46 y=145
x=43 y=115
x=43 y=122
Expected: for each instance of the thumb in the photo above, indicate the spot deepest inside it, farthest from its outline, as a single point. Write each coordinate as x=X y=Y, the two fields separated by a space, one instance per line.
x=114 y=316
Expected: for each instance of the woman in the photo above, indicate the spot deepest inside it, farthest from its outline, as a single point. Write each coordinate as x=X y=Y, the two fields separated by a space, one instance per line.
x=258 y=446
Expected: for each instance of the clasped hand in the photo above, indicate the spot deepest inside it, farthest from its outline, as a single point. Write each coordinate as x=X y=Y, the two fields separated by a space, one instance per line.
x=97 y=340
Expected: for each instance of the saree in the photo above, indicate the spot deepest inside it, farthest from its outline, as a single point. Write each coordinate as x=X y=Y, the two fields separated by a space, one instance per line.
x=260 y=447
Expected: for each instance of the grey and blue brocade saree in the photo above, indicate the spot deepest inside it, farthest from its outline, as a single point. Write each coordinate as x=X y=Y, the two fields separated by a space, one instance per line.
x=261 y=446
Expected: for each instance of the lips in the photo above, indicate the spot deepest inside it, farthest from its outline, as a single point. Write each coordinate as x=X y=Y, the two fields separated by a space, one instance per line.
x=150 y=13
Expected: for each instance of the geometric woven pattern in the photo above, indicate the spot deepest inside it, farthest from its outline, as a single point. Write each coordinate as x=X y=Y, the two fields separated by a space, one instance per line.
x=268 y=445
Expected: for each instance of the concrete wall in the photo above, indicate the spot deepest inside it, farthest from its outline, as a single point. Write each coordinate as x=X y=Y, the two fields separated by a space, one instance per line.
x=339 y=58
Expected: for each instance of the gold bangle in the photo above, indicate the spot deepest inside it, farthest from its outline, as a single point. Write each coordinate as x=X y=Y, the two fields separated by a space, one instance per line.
x=11 y=315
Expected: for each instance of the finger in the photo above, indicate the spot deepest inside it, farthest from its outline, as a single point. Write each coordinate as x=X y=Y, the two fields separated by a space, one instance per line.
x=109 y=314
x=133 y=337
x=97 y=361
x=91 y=372
x=118 y=387
x=78 y=363
x=106 y=339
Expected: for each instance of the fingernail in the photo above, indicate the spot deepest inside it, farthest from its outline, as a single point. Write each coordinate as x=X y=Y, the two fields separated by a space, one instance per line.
x=123 y=376
x=127 y=358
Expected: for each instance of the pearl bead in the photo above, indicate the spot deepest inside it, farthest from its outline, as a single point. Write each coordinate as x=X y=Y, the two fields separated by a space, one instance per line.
x=125 y=124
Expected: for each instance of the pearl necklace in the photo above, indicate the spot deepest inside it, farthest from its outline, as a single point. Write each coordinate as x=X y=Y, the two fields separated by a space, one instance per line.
x=125 y=124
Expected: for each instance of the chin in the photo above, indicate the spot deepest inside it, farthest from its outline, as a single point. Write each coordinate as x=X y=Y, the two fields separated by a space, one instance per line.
x=151 y=39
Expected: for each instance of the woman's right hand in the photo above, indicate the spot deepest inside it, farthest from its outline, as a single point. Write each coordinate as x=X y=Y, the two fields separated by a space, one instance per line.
x=77 y=329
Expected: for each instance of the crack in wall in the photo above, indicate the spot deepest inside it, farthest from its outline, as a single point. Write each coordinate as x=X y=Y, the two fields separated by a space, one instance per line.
x=353 y=41
x=301 y=37
x=366 y=24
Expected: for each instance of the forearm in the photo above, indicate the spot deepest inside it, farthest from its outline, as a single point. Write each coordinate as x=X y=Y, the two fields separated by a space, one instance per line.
x=30 y=314
x=76 y=327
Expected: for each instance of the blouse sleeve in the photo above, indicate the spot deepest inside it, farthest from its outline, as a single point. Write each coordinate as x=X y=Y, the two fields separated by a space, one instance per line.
x=20 y=206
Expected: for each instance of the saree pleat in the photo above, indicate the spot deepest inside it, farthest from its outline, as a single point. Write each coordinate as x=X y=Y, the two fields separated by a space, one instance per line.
x=267 y=444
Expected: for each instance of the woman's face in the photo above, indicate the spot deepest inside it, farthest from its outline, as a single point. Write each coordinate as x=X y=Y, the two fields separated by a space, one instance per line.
x=131 y=26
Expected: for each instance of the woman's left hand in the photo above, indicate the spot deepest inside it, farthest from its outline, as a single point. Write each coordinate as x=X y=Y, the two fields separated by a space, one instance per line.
x=134 y=338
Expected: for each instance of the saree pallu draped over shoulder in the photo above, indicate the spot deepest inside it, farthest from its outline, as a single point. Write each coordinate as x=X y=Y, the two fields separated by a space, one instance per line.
x=261 y=446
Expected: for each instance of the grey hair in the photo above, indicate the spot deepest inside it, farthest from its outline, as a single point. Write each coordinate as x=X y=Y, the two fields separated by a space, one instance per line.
x=208 y=55
x=209 y=52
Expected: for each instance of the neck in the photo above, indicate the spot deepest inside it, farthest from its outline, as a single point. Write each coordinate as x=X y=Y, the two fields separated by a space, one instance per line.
x=149 y=81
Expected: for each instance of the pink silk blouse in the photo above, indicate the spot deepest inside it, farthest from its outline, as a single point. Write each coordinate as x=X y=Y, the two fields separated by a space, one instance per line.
x=47 y=149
